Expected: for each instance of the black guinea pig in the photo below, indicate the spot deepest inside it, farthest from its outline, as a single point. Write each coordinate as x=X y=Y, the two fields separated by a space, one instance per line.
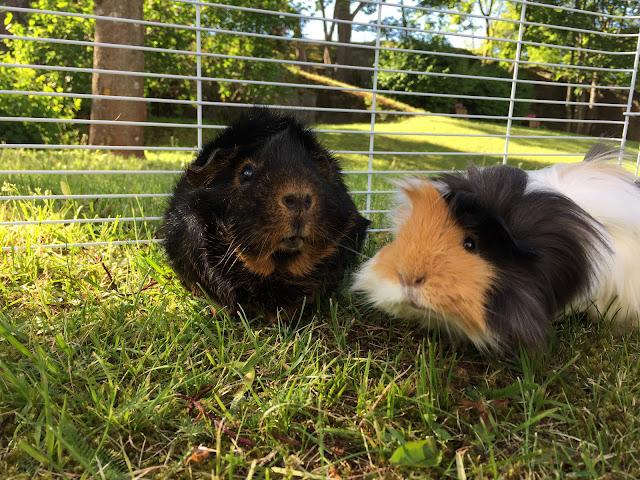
x=262 y=220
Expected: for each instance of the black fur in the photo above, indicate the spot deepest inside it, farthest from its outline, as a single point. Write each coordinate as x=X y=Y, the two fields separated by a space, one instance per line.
x=542 y=244
x=219 y=216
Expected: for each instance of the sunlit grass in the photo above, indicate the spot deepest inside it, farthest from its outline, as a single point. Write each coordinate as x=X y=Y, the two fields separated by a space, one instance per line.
x=162 y=184
x=551 y=148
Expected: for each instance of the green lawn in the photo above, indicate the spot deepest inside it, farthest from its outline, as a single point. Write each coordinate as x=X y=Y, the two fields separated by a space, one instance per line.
x=154 y=160
x=108 y=369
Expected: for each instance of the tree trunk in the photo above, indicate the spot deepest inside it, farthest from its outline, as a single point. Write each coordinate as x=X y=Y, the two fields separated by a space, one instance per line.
x=111 y=84
x=301 y=47
x=581 y=113
x=569 y=96
x=593 y=99
x=580 y=110
x=326 y=56
x=406 y=35
x=342 y=12
x=487 y=42
x=328 y=33
x=486 y=9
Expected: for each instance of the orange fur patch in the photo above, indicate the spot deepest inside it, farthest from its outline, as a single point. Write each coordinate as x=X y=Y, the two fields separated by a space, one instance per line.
x=428 y=246
x=300 y=265
x=310 y=257
x=260 y=266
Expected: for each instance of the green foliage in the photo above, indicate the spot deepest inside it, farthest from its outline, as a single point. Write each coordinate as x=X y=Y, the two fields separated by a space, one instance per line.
x=40 y=53
x=549 y=38
x=608 y=43
x=573 y=29
x=420 y=453
x=33 y=106
x=219 y=43
x=179 y=38
x=399 y=60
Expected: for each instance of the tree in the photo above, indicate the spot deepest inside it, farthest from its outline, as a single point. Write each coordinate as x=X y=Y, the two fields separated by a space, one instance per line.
x=19 y=17
x=106 y=84
x=603 y=62
x=452 y=85
x=301 y=47
x=328 y=30
x=37 y=24
x=219 y=43
x=341 y=11
x=488 y=8
x=17 y=51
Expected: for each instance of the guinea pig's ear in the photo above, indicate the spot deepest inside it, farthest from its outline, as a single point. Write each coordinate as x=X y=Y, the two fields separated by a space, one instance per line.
x=494 y=235
x=501 y=234
x=200 y=176
x=326 y=164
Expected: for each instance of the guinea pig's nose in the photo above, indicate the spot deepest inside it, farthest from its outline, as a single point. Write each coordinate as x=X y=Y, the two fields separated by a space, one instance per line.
x=297 y=201
x=411 y=280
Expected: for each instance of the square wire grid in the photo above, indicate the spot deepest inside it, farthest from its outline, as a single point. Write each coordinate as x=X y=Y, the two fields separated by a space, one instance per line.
x=518 y=41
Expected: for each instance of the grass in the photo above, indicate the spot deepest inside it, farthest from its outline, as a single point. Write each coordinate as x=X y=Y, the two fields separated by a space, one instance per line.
x=108 y=369
x=439 y=146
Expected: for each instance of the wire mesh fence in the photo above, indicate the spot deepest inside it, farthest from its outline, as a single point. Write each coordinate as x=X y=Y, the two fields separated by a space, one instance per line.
x=424 y=90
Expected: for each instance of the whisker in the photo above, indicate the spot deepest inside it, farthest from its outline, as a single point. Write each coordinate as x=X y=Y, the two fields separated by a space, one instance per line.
x=354 y=251
x=229 y=251
x=239 y=247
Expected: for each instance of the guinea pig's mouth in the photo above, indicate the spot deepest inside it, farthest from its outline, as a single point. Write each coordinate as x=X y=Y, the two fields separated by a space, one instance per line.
x=412 y=301
x=292 y=243
x=415 y=306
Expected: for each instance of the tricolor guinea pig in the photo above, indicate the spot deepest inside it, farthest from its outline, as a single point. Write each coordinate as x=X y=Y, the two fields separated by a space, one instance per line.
x=496 y=254
x=262 y=220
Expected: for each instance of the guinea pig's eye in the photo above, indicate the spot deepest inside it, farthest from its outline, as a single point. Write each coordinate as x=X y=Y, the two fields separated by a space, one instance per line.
x=469 y=244
x=246 y=175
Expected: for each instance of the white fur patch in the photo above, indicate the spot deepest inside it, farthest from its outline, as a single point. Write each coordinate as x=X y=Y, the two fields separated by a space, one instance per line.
x=381 y=292
x=611 y=196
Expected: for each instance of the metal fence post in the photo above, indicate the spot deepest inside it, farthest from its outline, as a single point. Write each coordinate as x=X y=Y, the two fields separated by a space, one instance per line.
x=376 y=63
x=199 y=73
x=514 y=83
